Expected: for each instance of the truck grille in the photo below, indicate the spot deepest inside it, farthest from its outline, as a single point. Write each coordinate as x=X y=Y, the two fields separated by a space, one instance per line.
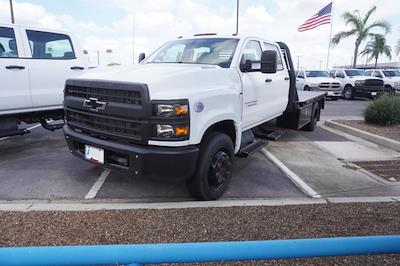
x=376 y=83
x=111 y=127
x=326 y=85
x=124 y=114
x=108 y=95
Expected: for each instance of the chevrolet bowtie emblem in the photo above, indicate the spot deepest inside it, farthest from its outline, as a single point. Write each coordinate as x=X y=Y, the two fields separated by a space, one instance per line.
x=94 y=104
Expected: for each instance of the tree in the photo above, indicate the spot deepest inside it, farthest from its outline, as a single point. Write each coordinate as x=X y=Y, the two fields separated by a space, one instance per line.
x=361 y=29
x=377 y=47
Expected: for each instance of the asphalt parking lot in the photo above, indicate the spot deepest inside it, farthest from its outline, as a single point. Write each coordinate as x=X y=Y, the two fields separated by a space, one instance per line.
x=39 y=166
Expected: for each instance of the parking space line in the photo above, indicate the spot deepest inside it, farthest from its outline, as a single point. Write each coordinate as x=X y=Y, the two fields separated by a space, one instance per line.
x=29 y=128
x=291 y=175
x=98 y=184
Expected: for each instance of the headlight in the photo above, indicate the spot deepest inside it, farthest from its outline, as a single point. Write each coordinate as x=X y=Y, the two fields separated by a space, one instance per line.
x=359 y=82
x=171 y=110
x=171 y=120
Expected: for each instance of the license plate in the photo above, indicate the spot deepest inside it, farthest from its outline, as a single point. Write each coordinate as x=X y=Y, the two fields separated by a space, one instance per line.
x=374 y=93
x=94 y=154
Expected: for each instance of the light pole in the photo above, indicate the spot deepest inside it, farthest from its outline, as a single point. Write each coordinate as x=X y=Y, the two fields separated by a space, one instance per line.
x=12 y=12
x=237 y=17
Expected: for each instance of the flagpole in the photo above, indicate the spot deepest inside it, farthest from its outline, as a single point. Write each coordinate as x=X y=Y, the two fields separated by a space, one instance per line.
x=237 y=17
x=330 y=37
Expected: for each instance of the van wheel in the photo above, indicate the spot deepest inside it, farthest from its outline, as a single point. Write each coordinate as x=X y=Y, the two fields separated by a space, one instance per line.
x=314 y=119
x=348 y=92
x=214 y=168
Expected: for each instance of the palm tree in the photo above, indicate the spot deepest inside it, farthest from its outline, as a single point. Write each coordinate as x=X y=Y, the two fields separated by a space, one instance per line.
x=377 y=47
x=361 y=29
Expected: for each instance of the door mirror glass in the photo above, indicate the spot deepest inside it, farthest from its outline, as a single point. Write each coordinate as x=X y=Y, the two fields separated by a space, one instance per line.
x=269 y=61
x=142 y=56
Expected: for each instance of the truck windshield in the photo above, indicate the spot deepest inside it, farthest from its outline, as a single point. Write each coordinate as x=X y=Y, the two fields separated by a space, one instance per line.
x=355 y=72
x=391 y=73
x=210 y=51
x=317 y=74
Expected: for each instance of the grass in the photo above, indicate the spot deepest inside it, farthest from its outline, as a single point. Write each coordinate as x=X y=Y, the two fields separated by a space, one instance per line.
x=384 y=111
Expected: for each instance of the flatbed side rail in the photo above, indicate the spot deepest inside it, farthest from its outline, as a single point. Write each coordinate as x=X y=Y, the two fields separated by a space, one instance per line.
x=141 y=254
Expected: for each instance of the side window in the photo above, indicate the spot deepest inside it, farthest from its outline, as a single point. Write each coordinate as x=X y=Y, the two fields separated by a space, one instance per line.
x=377 y=74
x=369 y=72
x=48 y=45
x=252 y=51
x=279 y=63
x=301 y=75
x=340 y=74
x=8 y=45
x=332 y=73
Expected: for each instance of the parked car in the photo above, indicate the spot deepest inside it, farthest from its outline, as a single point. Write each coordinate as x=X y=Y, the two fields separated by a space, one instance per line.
x=183 y=112
x=356 y=83
x=390 y=77
x=34 y=65
x=318 y=80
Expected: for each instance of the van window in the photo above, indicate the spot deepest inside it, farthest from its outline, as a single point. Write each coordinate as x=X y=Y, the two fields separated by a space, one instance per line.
x=8 y=45
x=279 y=63
x=48 y=45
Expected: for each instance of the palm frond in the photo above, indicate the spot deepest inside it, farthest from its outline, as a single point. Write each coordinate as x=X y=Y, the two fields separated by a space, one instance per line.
x=382 y=24
x=369 y=13
x=350 y=18
x=342 y=35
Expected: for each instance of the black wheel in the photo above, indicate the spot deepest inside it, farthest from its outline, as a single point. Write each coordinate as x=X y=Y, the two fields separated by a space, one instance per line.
x=389 y=89
x=214 y=168
x=306 y=88
x=348 y=92
x=314 y=119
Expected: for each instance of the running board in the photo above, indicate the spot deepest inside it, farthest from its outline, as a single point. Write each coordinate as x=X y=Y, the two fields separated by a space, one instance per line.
x=16 y=132
x=267 y=134
x=252 y=148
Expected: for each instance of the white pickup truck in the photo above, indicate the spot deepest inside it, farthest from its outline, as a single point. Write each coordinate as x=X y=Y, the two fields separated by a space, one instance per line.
x=318 y=80
x=390 y=77
x=34 y=65
x=187 y=109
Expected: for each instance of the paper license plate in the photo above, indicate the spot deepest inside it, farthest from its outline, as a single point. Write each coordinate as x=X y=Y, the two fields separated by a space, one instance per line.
x=373 y=93
x=94 y=154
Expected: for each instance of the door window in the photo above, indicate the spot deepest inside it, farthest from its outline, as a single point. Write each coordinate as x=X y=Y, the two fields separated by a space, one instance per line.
x=271 y=47
x=252 y=51
x=301 y=75
x=340 y=74
x=8 y=45
x=48 y=45
x=377 y=74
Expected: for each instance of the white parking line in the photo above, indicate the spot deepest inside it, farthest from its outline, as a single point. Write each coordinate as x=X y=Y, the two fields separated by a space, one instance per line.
x=291 y=175
x=97 y=185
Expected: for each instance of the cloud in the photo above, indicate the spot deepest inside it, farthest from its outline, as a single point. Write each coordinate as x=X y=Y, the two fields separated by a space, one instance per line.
x=158 y=21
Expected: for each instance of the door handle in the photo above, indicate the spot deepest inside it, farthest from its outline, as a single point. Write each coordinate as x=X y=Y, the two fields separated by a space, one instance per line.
x=77 y=68
x=15 y=67
x=287 y=78
x=268 y=80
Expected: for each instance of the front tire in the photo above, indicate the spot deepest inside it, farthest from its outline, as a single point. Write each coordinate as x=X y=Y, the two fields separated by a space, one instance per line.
x=306 y=88
x=348 y=92
x=214 y=168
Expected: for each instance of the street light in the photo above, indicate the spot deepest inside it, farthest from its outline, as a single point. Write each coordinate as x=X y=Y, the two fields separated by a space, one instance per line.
x=12 y=12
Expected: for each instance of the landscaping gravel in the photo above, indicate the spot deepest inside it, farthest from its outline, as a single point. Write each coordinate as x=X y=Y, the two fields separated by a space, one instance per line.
x=208 y=224
x=391 y=132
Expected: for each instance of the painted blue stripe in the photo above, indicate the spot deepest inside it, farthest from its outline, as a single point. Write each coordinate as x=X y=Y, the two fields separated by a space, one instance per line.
x=199 y=252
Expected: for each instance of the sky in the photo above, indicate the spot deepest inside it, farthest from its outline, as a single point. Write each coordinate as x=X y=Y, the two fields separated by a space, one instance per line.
x=108 y=24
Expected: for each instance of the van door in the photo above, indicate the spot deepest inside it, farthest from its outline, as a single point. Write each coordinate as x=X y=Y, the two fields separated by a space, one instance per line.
x=14 y=89
x=53 y=59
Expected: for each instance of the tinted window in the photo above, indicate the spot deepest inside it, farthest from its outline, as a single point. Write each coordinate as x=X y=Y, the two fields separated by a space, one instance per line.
x=279 y=63
x=340 y=74
x=377 y=74
x=8 y=46
x=355 y=72
x=316 y=74
x=47 y=45
x=391 y=73
x=210 y=51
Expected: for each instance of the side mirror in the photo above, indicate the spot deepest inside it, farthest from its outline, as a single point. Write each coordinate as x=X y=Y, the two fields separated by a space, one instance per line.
x=269 y=62
x=142 y=56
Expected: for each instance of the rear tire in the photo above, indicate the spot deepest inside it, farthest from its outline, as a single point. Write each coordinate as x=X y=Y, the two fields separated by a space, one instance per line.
x=312 y=125
x=214 y=167
x=348 y=92
x=389 y=89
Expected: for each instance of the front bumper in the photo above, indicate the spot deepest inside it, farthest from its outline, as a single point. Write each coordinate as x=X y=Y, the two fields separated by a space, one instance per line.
x=363 y=91
x=153 y=162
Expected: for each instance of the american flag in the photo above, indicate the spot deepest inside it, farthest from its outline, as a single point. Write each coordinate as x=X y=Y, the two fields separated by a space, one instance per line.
x=321 y=18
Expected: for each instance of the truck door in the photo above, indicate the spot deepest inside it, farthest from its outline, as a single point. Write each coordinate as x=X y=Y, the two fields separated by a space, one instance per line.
x=53 y=59
x=14 y=89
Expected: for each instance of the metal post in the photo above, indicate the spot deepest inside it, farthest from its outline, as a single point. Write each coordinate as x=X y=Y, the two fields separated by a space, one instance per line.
x=237 y=17
x=12 y=12
x=133 y=37
x=98 y=58
x=298 y=62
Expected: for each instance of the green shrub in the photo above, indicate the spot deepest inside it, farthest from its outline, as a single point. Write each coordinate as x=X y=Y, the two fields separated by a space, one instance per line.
x=384 y=111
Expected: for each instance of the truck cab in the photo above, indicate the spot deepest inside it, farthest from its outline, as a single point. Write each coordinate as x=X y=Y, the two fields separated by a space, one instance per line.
x=184 y=111
x=357 y=83
x=390 y=77
x=34 y=65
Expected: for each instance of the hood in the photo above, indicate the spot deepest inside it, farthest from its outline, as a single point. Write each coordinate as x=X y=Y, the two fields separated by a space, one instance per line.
x=322 y=80
x=364 y=78
x=168 y=81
